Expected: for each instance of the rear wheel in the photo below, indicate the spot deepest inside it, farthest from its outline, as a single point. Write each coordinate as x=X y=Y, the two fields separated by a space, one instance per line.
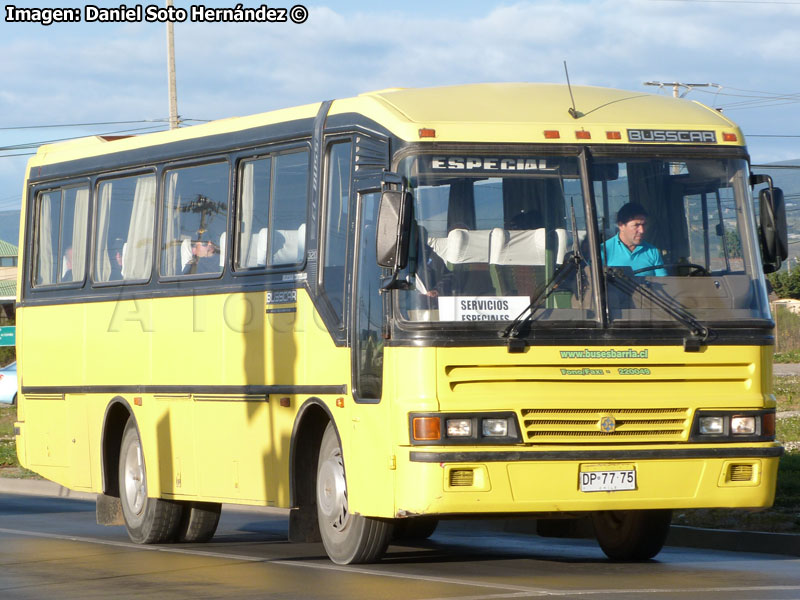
x=631 y=535
x=348 y=538
x=200 y=520
x=148 y=520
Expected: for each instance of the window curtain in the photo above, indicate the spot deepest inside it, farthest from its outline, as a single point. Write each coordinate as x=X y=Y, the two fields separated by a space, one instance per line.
x=246 y=216
x=102 y=261
x=648 y=184
x=138 y=256
x=172 y=226
x=45 y=257
x=80 y=226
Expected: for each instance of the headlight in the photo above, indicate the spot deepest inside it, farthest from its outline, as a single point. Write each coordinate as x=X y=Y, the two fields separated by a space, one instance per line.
x=730 y=426
x=489 y=428
x=743 y=425
x=459 y=427
x=495 y=427
x=712 y=425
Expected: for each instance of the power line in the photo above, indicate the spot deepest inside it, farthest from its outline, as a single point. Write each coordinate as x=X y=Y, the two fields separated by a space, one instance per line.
x=66 y=125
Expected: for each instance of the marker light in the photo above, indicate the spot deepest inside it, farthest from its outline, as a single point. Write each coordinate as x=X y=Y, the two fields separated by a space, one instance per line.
x=743 y=425
x=583 y=135
x=552 y=134
x=426 y=428
x=427 y=133
x=768 y=424
x=495 y=427
x=712 y=425
x=459 y=427
x=613 y=135
x=730 y=137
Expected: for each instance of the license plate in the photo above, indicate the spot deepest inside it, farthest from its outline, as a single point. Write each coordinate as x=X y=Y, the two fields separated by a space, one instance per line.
x=607 y=480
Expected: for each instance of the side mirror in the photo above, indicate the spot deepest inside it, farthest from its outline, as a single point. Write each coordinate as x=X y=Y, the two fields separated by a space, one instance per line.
x=394 y=217
x=772 y=231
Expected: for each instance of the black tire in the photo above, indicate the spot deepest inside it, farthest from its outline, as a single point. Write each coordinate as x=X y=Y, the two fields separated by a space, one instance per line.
x=417 y=528
x=199 y=523
x=348 y=538
x=148 y=520
x=631 y=535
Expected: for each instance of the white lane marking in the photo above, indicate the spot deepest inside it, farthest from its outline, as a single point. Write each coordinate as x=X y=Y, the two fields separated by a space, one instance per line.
x=516 y=591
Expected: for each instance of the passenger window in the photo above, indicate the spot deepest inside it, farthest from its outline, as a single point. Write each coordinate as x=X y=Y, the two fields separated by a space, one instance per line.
x=195 y=220
x=336 y=225
x=125 y=219
x=61 y=231
x=254 y=197
x=272 y=211
x=288 y=223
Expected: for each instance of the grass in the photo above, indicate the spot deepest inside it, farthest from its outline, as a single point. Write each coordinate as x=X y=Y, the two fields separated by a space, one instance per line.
x=790 y=356
x=9 y=465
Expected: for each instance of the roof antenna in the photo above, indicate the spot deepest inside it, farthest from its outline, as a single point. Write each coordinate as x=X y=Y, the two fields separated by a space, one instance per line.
x=573 y=112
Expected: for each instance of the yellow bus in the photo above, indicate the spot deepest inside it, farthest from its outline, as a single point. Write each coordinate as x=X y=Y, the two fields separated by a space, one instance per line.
x=405 y=306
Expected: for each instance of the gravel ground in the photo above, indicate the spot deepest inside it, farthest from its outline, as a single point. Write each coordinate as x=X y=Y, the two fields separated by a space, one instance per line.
x=787 y=369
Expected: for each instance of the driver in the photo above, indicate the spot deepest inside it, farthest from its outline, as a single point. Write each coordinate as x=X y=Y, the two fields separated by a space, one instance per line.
x=628 y=248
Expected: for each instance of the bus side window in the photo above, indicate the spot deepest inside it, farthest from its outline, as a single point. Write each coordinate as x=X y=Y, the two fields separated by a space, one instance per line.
x=288 y=210
x=337 y=211
x=195 y=217
x=61 y=235
x=125 y=219
x=254 y=199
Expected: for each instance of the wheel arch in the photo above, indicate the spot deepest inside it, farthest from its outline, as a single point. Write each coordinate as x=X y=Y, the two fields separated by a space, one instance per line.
x=309 y=426
x=116 y=416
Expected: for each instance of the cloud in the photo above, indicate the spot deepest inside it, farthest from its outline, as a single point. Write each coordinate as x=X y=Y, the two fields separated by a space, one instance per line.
x=105 y=72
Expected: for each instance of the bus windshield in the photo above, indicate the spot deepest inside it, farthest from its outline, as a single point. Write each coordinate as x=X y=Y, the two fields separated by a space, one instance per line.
x=492 y=233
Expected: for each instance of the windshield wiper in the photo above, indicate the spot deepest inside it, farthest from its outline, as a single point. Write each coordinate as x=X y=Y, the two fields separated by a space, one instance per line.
x=526 y=316
x=572 y=263
x=628 y=284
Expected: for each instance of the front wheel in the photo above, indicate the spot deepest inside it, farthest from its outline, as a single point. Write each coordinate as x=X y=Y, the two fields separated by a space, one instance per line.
x=348 y=538
x=148 y=520
x=631 y=535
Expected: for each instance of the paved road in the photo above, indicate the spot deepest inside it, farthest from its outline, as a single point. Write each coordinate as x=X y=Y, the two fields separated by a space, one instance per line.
x=52 y=548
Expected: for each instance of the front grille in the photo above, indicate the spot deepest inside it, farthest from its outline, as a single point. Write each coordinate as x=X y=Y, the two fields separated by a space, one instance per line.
x=576 y=425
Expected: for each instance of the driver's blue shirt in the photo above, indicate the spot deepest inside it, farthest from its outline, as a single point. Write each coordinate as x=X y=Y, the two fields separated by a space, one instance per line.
x=643 y=256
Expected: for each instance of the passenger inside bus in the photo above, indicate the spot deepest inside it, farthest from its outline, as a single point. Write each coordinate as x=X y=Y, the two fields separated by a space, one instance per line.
x=115 y=253
x=199 y=257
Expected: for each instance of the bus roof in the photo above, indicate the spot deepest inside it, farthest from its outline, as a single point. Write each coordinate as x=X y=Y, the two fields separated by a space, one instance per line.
x=484 y=112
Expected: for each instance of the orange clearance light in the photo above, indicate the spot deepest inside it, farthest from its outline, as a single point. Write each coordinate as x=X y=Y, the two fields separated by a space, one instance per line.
x=730 y=137
x=551 y=134
x=427 y=133
x=426 y=428
x=613 y=135
x=137 y=400
x=583 y=135
x=768 y=424
x=340 y=402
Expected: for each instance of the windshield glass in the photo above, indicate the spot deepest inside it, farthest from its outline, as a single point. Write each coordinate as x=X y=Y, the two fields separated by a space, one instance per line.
x=682 y=228
x=493 y=232
x=489 y=233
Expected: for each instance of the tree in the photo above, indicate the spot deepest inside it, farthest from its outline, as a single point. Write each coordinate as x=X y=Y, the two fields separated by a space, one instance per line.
x=786 y=284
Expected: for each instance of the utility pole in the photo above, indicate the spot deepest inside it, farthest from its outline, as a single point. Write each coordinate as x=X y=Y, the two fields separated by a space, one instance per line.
x=174 y=120
x=676 y=85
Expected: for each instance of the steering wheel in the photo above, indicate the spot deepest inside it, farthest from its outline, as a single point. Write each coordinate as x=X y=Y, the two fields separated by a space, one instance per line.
x=695 y=270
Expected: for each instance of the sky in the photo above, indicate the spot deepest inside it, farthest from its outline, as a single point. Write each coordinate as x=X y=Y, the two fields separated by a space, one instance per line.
x=114 y=74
